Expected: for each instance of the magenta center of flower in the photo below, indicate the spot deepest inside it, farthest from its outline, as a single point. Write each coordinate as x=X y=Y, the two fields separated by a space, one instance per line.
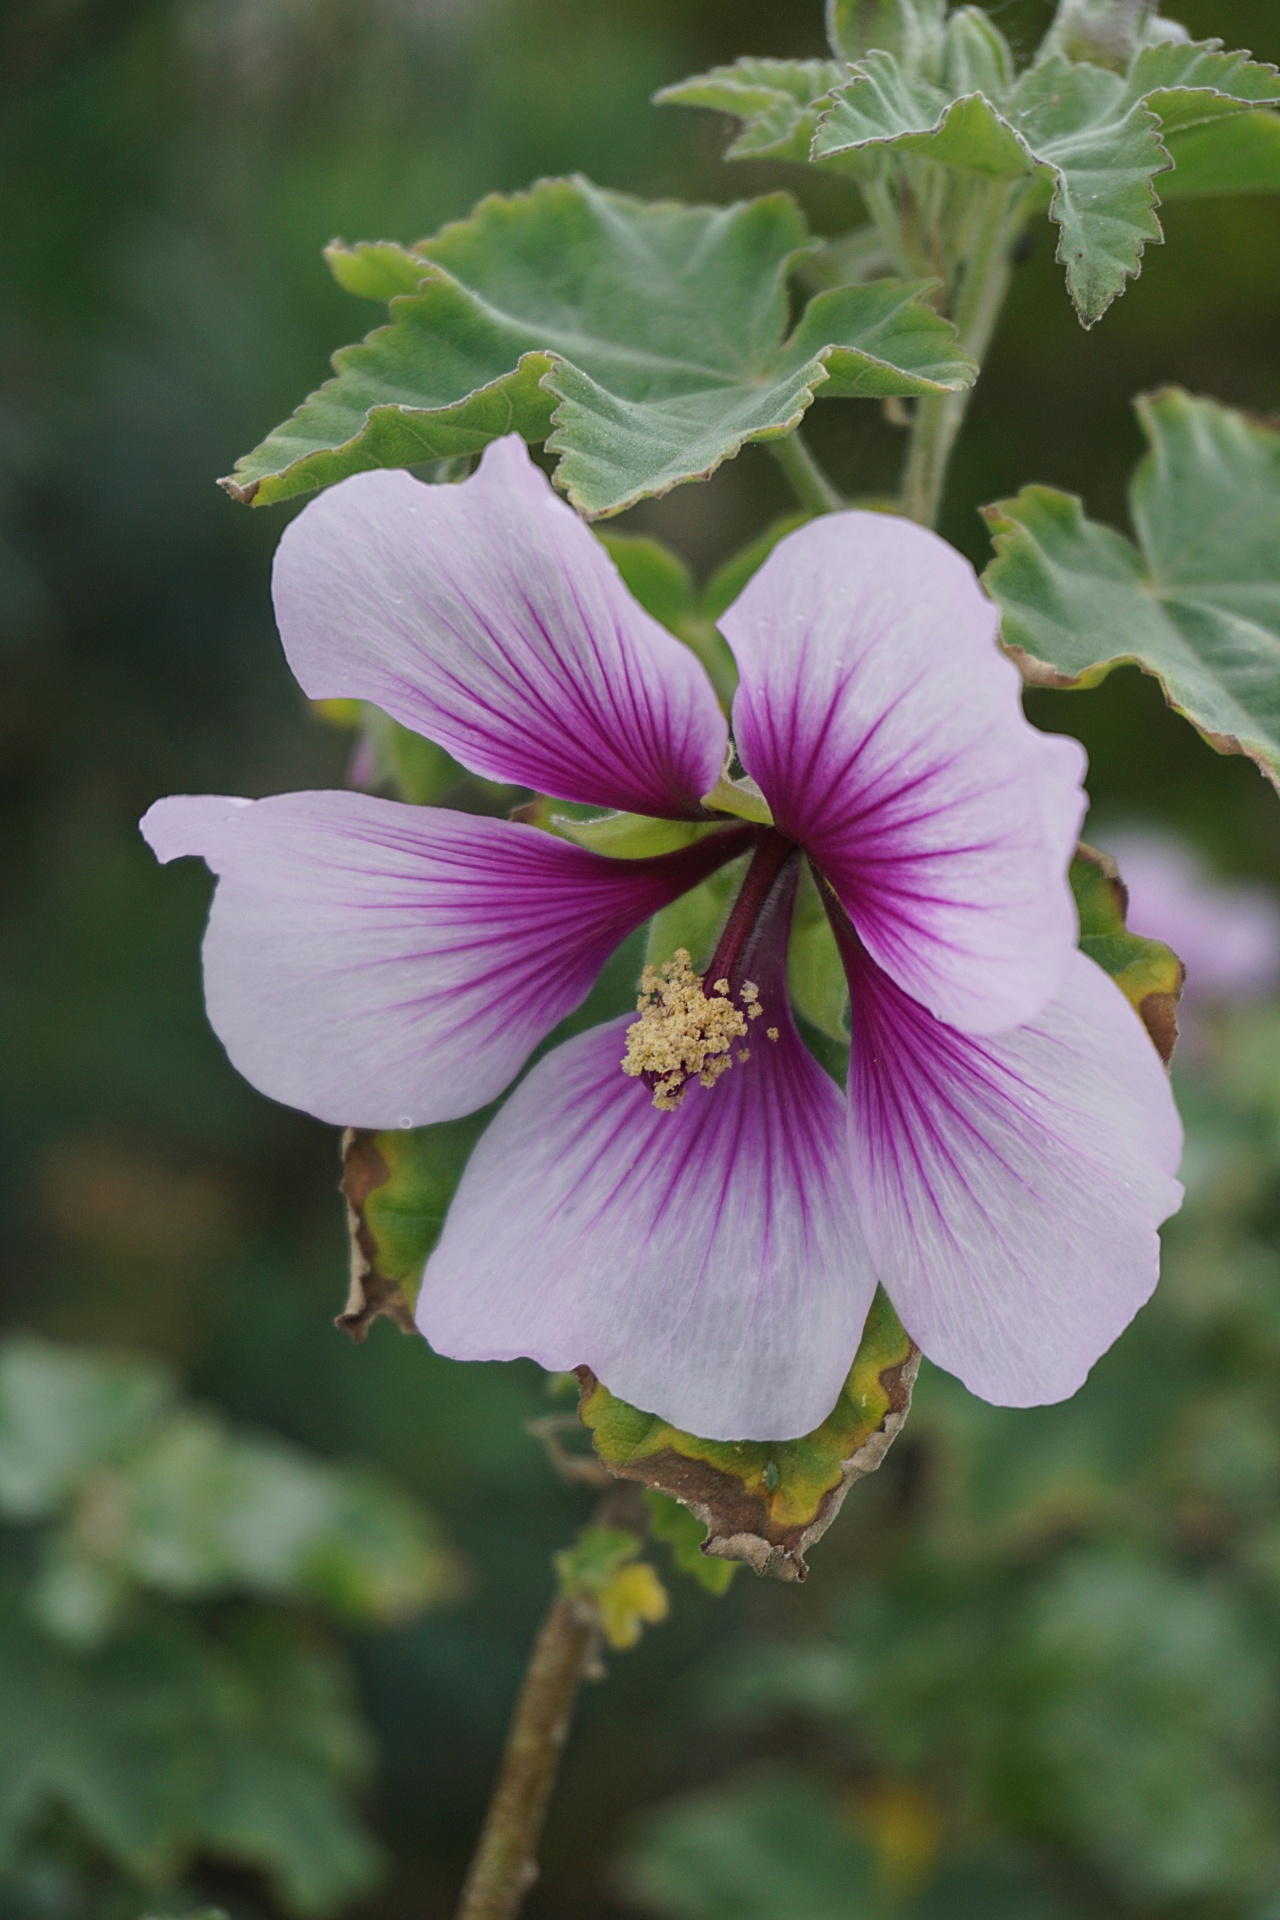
x=692 y=1026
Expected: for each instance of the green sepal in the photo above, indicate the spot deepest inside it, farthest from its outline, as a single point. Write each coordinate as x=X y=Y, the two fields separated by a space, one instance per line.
x=397 y=1185
x=1149 y=974
x=1196 y=602
x=816 y=979
x=683 y=1534
x=766 y=1502
x=695 y=919
x=629 y=836
x=651 y=336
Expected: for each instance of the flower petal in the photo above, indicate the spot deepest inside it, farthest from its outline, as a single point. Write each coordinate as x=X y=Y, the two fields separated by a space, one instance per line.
x=887 y=733
x=1010 y=1187
x=487 y=617
x=705 y=1263
x=382 y=965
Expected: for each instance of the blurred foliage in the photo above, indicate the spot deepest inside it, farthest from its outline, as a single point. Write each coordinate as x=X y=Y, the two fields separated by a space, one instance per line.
x=139 y=1734
x=1076 y=1581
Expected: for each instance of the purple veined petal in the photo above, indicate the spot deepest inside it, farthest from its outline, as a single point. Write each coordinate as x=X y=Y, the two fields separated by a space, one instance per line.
x=1010 y=1186
x=706 y=1263
x=489 y=618
x=887 y=733
x=381 y=965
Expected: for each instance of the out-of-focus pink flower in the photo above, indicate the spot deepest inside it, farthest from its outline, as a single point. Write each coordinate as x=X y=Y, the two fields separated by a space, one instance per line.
x=1226 y=932
x=685 y=1203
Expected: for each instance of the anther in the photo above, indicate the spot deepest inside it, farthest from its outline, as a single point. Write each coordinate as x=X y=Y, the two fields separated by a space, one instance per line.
x=683 y=1032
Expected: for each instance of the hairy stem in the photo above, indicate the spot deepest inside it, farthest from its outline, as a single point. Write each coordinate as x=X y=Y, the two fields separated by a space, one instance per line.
x=505 y=1862
x=808 y=482
x=982 y=291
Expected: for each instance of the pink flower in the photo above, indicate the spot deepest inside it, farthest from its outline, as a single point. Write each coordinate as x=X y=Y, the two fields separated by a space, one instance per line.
x=1007 y=1145
x=1226 y=932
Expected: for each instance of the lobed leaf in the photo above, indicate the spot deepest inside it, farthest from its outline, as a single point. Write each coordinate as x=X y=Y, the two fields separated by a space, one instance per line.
x=766 y=1502
x=650 y=337
x=777 y=102
x=1074 y=126
x=270 y=1752
x=1236 y=155
x=910 y=29
x=1195 y=602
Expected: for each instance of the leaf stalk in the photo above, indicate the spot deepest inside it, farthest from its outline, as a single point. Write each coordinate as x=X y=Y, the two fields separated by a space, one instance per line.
x=809 y=483
x=984 y=285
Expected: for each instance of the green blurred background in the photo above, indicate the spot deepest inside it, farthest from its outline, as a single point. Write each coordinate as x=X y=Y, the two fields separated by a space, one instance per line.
x=1036 y=1671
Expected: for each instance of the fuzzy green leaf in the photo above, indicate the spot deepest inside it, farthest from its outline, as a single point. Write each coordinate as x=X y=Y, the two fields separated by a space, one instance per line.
x=1196 y=601
x=766 y=1502
x=165 y=1744
x=1236 y=155
x=1187 y=83
x=777 y=102
x=1076 y=127
x=912 y=30
x=651 y=337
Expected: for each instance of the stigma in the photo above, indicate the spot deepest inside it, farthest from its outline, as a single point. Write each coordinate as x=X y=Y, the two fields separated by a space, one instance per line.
x=685 y=1033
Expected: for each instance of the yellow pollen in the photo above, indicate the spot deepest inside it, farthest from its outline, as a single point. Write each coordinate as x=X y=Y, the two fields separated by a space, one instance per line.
x=771 y=1033
x=744 y=1054
x=683 y=1033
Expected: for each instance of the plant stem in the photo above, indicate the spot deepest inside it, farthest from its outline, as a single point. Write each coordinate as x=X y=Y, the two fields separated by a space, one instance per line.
x=808 y=482
x=983 y=287
x=505 y=1862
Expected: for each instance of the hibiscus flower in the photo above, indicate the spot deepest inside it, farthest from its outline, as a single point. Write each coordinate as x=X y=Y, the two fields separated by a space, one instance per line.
x=684 y=1200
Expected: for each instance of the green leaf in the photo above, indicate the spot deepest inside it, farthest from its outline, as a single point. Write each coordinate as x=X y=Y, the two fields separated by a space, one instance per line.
x=1148 y=973
x=1075 y=127
x=1188 y=83
x=776 y=100
x=376 y=269
x=651 y=336
x=976 y=56
x=761 y=1501
x=1196 y=601
x=770 y=1847
x=166 y=1744
x=662 y=583
x=398 y=1185
x=64 y=1413
x=911 y=30
x=1237 y=155
x=199 y=1511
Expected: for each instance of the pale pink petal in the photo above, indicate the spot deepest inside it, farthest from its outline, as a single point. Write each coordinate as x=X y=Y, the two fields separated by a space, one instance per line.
x=1010 y=1187
x=705 y=1263
x=887 y=733
x=489 y=618
x=382 y=965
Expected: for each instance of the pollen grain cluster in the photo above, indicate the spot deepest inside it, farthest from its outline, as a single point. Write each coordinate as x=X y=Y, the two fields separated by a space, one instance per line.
x=685 y=1033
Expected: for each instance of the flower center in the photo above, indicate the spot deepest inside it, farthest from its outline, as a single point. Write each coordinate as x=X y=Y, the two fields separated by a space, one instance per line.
x=686 y=1032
